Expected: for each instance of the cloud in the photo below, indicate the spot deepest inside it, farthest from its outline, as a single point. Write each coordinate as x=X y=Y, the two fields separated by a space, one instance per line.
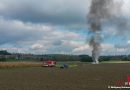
x=37 y=46
x=110 y=49
x=45 y=26
x=126 y=7
x=121 y=50
x=81 y=48
x=50 y=11
x=86 y=49
x=70 y=43
x=128 y=41
x=107 y=49
x=46 y=11
x=34 y=37
x=14 y=31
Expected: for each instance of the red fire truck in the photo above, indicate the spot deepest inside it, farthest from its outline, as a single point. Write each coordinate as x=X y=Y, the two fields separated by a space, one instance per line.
x=49 y=63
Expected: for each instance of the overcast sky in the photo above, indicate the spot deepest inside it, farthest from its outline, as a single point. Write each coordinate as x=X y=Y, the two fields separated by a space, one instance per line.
x=56 y=27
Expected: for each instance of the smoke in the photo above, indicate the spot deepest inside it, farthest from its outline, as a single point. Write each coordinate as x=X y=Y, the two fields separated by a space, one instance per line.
x=102 y=12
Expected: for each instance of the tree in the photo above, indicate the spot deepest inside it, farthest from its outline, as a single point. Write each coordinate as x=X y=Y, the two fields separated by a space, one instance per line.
x=85 y=58
x=4 y=52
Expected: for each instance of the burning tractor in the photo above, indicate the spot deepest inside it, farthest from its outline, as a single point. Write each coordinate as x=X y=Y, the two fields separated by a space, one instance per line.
x=49 y=63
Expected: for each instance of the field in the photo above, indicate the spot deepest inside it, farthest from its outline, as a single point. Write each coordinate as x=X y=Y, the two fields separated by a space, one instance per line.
x=81 y=77
x=19 y=64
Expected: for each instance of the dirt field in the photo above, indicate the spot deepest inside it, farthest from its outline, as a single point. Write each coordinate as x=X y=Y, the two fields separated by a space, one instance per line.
x=82 y=77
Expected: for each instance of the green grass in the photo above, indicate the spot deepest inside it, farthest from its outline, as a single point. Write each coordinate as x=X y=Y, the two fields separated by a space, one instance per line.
x=114 y=61
x=69 y=65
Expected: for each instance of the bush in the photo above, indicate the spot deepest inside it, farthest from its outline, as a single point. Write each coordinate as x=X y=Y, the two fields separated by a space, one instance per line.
x=4 y=52
x=2 y=59
x=85 y=58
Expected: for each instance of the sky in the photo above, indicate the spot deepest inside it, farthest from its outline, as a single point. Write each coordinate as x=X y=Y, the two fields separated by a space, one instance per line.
x=56 y=27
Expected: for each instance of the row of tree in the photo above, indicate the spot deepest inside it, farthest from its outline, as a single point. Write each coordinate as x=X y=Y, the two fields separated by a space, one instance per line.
x=60 y=57
x=4 y=52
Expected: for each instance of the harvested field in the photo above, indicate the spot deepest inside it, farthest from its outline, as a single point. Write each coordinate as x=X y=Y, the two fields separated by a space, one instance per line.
x=82 y=77
x=19 y=64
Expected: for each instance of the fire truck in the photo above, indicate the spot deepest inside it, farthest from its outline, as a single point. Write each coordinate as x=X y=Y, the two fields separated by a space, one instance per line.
x=49 y=63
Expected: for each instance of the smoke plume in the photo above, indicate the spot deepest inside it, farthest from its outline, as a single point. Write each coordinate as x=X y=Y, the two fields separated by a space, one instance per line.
x=101 y=12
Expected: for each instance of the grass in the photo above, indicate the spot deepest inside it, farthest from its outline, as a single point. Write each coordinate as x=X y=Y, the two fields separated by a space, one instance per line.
x=114 y=61
x=59 y=64
x=32 y=64
x=19 y=64
x=81 y=77
x=70 y=64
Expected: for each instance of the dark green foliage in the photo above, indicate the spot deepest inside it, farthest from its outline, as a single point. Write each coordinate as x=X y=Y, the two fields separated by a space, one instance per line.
x=115 y=58
x=82 y=58
x=59 y=57
x=4 y=52
x=6 y=56
x=2 y=58
x=126 y=58
x=85 y=58
x=104 y=58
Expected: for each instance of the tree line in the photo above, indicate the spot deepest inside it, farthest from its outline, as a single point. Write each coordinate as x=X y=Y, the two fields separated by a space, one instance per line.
x=58 y=57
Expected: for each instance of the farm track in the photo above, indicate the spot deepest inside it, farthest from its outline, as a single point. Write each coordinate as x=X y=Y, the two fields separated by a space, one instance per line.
x=82 y=77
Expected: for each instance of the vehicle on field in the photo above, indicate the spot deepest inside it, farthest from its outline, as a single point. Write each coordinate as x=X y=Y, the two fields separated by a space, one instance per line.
x=49 y=63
